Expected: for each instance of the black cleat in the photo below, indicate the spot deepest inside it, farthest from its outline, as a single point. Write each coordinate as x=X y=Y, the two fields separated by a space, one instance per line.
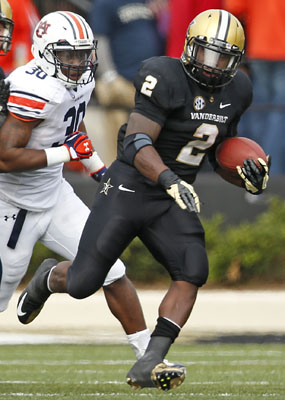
x=32 y=299
x=147 y=373
x=168 y=377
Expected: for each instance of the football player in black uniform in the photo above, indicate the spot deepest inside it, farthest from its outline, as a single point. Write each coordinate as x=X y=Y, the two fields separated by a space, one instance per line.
x=183 y=109
x=6 y=29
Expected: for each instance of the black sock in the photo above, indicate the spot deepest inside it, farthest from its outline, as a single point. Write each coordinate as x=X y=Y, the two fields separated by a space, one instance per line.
x=166 y=328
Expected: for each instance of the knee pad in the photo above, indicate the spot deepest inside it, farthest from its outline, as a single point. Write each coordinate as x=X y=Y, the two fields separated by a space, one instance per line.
x=196 y=267
x=117 y=271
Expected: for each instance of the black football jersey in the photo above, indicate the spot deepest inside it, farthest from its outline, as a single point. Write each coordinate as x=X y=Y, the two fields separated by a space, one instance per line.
x=2 y=75
x=193 y=120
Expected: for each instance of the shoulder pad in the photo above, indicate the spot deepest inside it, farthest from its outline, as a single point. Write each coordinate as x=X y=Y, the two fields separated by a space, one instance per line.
x=243 y=86
x=163 y=80
x=31 y=90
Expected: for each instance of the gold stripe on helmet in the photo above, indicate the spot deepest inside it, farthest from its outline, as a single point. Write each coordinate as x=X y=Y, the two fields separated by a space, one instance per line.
x=5 y=10
x=218 y=34
x=217 y=24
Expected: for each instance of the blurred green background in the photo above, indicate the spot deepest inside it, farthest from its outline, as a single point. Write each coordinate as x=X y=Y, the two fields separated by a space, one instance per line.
x=245 y=253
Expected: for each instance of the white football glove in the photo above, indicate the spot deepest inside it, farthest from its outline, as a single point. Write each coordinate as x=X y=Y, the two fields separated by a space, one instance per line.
x=182 y=192
x=254 y=178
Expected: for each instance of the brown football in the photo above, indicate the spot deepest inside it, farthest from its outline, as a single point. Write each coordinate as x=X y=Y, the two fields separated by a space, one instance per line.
x=234 y=151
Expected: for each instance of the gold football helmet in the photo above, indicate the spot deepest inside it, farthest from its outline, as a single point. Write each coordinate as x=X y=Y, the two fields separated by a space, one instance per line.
x=6 y=27
x=213 y=49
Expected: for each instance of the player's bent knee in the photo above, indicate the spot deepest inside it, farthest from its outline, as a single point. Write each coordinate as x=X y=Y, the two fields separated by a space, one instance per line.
x=86 y=275
x=117 y=271
x=196 y=268
x=82 y=287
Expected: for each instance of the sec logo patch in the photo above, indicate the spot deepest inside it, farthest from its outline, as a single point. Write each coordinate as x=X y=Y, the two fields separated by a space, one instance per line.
x=199 y=103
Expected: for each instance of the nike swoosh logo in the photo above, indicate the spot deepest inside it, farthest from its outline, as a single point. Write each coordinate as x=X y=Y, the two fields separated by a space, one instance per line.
x=124 y=189
x=19 y=309
x=224 y=105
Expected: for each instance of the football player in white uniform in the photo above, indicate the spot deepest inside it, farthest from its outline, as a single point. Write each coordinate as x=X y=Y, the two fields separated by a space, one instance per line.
x=45 y=129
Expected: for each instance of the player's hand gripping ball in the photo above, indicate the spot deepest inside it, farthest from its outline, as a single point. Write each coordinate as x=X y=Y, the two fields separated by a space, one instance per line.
x=244 y=158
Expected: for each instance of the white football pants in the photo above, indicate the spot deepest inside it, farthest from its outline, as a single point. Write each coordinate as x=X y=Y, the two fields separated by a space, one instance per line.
x=59 y=229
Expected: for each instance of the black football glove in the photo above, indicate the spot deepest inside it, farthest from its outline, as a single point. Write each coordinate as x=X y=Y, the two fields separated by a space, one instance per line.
x=182 y=192
x=254 y=178
x=4 y=95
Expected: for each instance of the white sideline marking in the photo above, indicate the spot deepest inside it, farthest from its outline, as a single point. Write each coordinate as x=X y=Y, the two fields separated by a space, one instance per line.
x=231 y=353
x=30 y=394
x=134 y=395
x=127 y=362
x=123 y=382
x=66 y=362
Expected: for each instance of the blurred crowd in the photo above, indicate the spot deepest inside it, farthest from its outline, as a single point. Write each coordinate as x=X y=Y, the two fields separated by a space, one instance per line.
x=132 y=30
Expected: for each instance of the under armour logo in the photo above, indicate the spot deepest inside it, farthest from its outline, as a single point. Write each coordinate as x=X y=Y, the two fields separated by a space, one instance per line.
x=87 y=148
x=42 y=29
x=6 y=217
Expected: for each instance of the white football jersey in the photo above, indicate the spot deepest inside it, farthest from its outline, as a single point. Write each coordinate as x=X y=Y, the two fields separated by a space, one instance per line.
x=35 y=95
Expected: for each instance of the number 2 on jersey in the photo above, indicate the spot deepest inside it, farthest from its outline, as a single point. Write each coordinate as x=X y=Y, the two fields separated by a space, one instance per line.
x=148 y=85
x=189 y=153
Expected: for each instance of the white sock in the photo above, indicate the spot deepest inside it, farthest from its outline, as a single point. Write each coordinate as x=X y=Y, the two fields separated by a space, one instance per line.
x=139 y=342
x=49 y=278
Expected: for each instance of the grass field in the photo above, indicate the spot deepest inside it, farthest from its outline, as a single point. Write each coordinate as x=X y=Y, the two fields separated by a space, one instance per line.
x=77 y=372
